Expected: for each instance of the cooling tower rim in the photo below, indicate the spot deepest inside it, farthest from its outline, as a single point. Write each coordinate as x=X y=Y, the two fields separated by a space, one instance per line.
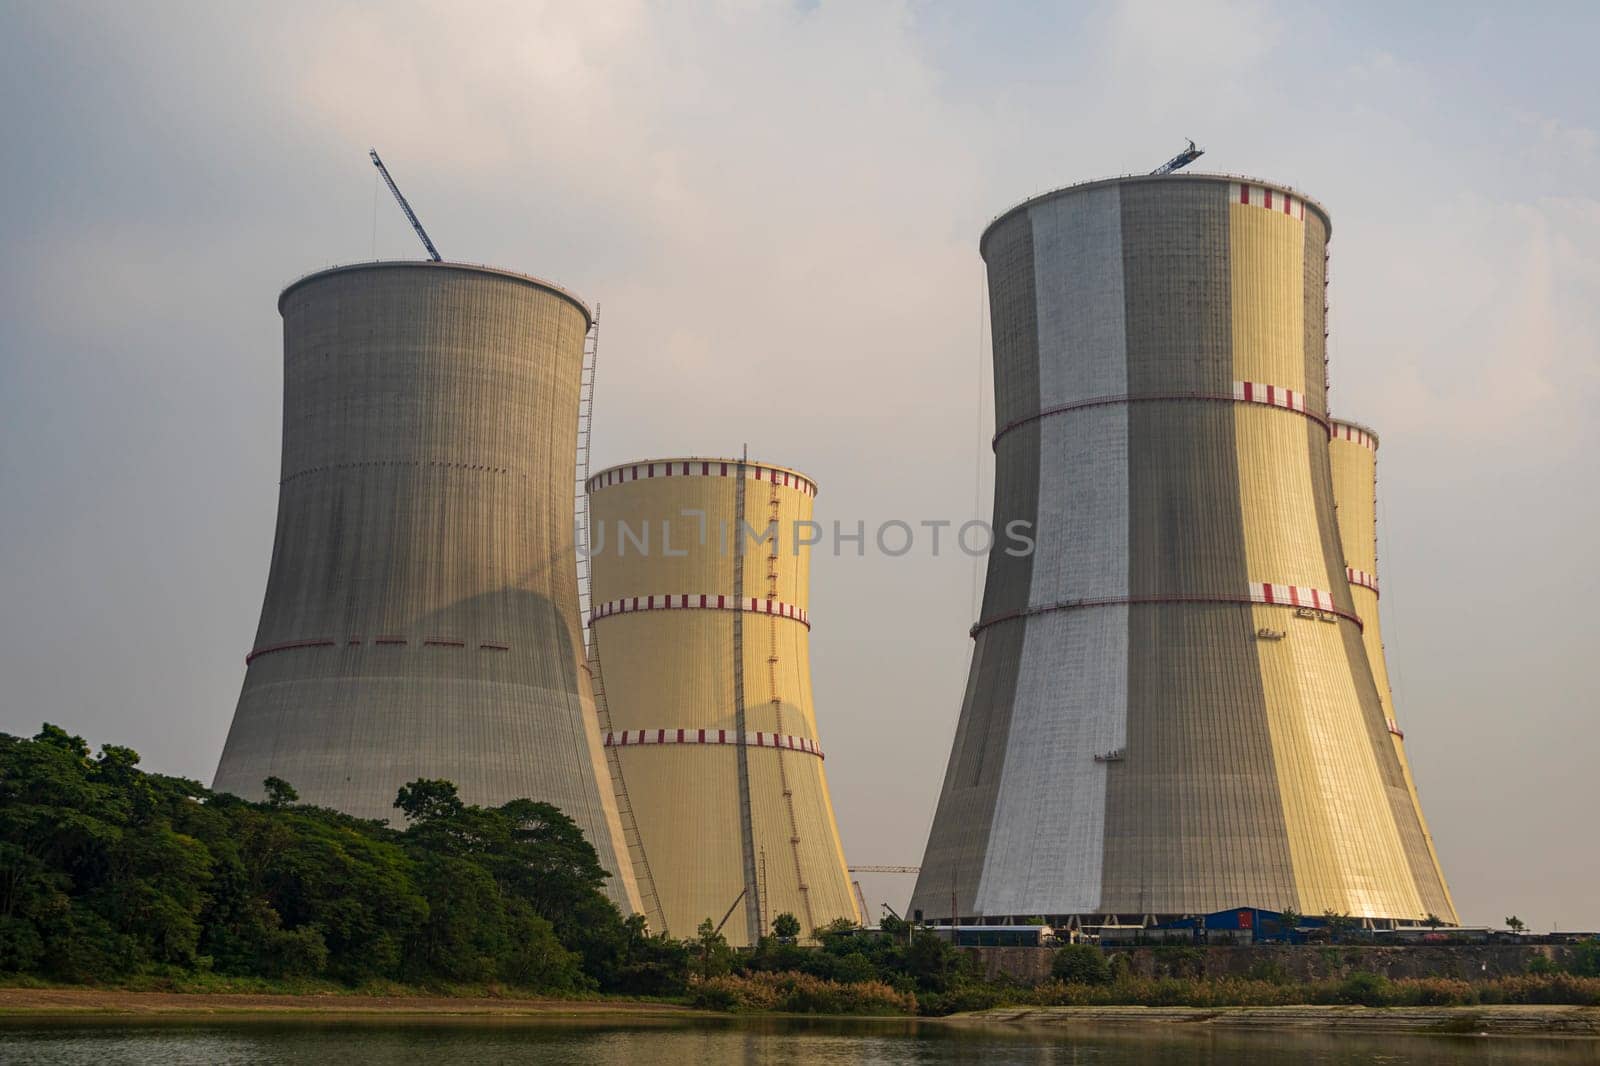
x=1137 y=179
x=598 y=478
x=429 y=264
x=1334 y=420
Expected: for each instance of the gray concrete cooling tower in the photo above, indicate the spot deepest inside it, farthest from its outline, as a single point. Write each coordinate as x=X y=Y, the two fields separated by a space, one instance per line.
x=1169 y=709
x=421 y=614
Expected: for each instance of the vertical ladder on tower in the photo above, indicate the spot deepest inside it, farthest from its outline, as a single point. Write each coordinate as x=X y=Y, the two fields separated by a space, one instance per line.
x=775 y=699
x=586 y=376
x=754 y=927
x=630 y=827
x=1327 y=378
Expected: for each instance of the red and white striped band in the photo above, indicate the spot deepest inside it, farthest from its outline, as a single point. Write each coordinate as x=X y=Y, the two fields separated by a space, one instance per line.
x=1271 y=199
x=701 y=468
x=629 y=737
x=356 y=642
x=1243 y=392
x=1268 y=593
x=1354 y=434
x=1362 y=578
x=701 y=601
x=1291 y=595
x=1274 y=395
x=1394 y=727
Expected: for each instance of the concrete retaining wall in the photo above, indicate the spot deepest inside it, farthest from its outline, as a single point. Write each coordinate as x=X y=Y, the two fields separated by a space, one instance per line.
x=1300 y=963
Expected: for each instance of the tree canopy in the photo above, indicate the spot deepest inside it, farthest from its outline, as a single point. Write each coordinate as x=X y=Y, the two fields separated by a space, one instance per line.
x=108 y=871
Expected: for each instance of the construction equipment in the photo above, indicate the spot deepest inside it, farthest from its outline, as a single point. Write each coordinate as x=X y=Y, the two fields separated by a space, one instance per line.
x=433 y=253
x=1177 y=162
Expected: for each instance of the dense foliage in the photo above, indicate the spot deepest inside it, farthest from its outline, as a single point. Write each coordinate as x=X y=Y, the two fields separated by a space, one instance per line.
x=895 y=970
x=108 y=872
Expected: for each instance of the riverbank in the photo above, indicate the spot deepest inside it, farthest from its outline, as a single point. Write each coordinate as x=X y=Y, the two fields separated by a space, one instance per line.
x=77 y=1002
x=1510 y=1020
x=1500 y=1020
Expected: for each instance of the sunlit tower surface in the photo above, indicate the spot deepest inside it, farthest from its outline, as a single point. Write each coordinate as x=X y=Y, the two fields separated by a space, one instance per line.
x=1353 y=451
x=706 y=656
x=1169 y=709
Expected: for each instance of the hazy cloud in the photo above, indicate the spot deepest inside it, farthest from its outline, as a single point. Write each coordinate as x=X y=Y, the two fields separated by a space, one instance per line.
x=778 y=208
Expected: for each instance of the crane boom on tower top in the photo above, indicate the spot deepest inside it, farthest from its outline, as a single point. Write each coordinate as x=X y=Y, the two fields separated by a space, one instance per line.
x=433 y=253
x=1181 y=160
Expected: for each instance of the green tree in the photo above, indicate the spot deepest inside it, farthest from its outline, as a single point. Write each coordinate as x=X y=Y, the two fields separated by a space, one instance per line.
x=786 y=927
x=424 y=802
x=1515 y=924
x=931 y=961
x=279 y=792
x=1433 y=921
x=108 y=871
x=713 y=956
x=1081 y=964
x=1338 y=923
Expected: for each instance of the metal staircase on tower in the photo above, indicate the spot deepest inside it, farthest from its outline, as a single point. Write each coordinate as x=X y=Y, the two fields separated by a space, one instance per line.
x=648 y=899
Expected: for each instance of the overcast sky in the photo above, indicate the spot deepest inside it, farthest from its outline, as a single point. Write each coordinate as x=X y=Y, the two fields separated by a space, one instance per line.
x=778 y=207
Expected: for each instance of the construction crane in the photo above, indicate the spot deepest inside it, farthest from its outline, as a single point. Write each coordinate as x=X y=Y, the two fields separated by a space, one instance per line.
x=885 y=869
x=1177 y=162
x=433 y=253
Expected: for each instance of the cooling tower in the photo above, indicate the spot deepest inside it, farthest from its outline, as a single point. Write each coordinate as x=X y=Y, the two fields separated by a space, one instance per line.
x=1169 y=709
x=705 y=656
x=421 y=614
x=1353 y=451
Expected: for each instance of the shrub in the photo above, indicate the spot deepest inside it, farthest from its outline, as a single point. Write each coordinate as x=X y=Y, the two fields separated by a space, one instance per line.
x=1585 y=959
x=1433 y=992
x=1550 y=988
x=1081 y=964
x=296 y=952
x=854 y=968
x=1366 y=989
x=1180 y=960
x=968 y=996
x=798 y=993
x=20 y=946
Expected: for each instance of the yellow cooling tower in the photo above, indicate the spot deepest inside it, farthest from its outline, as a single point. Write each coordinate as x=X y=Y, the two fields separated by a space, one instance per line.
x=1353 y=450
x=706 y=672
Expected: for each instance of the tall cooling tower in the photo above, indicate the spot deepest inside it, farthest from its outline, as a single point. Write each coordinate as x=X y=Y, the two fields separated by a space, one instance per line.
x=421 y=614
x=705 y=655
x=1353 y=450
x=1169 y=709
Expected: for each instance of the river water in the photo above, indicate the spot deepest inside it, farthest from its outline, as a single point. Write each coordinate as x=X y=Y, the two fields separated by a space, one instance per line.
x=458 y=1042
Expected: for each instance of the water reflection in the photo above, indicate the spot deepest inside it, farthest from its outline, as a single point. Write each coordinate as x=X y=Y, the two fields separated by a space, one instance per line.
x=759 y=1042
